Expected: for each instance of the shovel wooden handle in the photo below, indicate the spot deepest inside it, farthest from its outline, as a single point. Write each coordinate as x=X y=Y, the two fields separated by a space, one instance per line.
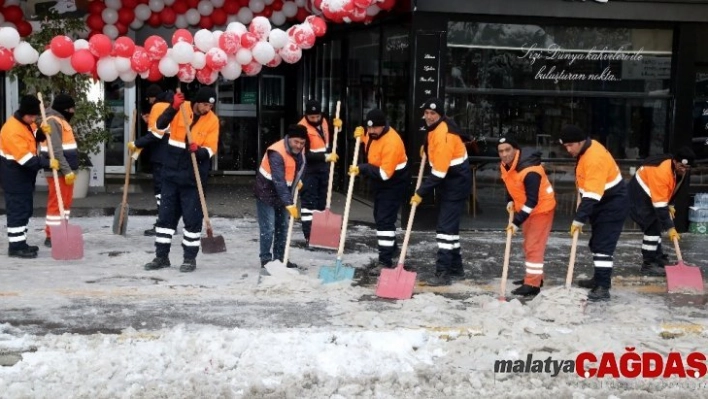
x=348 y=203
x=507 y=255
x=678 y=250
x=411 y=216
x=291 y=222
x=128 y=167
x=573 y=250
x=331 y=164
x=60 y=200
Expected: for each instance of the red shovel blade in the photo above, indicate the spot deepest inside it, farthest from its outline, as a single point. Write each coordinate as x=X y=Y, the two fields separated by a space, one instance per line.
x=683 y=278
x=396 y=283
x=326 y=229
x=67 y=242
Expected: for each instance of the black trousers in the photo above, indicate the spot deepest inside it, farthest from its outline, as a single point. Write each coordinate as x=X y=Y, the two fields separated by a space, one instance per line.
x=178 y=201
x=313 y=195
x=607 y=222
x=448 y=235
x=388 y=199
x=19 y=208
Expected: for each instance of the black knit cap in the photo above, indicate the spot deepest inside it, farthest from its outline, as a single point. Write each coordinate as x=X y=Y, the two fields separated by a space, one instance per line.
x=572 y=134
x=29 y=105
x=62 y=102
x=509 y=139
x=375 y=117
x=205 y=95
x=436 y=105
x=297 y=132
x=685 y=155
x=313 y=107
x=153 y=91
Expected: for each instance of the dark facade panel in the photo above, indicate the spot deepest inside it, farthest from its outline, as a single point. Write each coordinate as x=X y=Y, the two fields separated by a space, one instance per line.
x=674 y=11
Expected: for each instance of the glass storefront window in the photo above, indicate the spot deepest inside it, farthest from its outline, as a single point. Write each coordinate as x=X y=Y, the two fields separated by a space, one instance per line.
x=394 y=75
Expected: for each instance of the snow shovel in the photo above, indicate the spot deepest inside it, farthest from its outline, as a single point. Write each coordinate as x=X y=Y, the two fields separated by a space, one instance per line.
x=325 y=224
x=120 y=215
x=339 y=272
x=683 y=278
x=211 y=244
x=291 y=222
x=67 y=240
x=507 y=255
x=571 y=263
x=398 y=283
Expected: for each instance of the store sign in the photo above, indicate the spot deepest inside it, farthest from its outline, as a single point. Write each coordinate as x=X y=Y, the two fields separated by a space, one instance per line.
x=427 y=67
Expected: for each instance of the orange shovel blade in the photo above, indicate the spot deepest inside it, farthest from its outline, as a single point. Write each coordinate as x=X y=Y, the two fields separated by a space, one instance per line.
x=683 y=278
x=396 y=283
x=326 y=229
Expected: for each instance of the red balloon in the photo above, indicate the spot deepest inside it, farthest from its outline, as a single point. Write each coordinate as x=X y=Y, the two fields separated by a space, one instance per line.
x=155 y=75
x=168 y=16
x=156 y=47
x=192 y=3
x=206 y=76
x=267 y=12
x=186 y=73
x=277 y=5
x=180 y=7
x=126 y=16
x=230 y=42
x=243 y=3
x=62 y=46
x=154 y=20
x=96 y=7
x=182 y=35
x=361 y=3
x=319 y=26
x=218 y=16
x=386 y=5
x=100 y=45
x=231 y=7
x=317 y=4
x=205 y=22
x=275 y=61
x=124 y=47
x=12 y=13
x=252 y=68
x=122 y=29
x=301 y=14
x=130 y=4
x=24 y=28
x=7 y=60
x=140 y=60
x=95 y=21
x=83 y=61
x=248 y=40
x=94 y=33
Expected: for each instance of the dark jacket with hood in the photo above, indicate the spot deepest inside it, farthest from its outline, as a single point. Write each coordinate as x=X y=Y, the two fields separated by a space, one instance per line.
x=276 y=192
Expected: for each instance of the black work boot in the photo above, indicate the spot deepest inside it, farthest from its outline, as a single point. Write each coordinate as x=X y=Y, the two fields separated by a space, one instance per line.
x=599 y=294
x=264 y=262
x=188 y=265
x=521 y=281
x=150 y=232
x=158 y=263
x=662 y=260
x=587 y=283
x=23 y=253
x=48 y=242
x=526 y=290
x=440 y=278
x=33 y=248
x=457 y=272
x=291 y=265
x=652 y=269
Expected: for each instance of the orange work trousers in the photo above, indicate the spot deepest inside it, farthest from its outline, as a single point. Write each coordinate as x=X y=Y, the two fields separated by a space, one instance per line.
x=53 y=214
x=536 y=230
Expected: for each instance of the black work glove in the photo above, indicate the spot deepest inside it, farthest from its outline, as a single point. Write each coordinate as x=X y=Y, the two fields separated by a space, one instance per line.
x=39 y=136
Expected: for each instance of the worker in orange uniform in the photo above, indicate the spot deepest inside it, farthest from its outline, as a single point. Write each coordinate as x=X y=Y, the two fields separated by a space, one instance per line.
x=531 y=199
x=180 y=198
x=603 y=203
x=387 y=168
x=19 y=164
x=156 y=140
x=451 y=179
x=651 y=194
x=67 y=153
x=318 y=154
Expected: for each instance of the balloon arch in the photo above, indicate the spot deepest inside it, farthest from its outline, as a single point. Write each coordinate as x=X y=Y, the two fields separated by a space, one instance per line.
x=250 y=40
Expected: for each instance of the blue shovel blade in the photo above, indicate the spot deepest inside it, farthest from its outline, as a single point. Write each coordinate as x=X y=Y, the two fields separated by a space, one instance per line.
x=339 y=272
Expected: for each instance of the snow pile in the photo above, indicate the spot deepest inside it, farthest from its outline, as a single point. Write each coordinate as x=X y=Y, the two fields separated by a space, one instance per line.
x=561 y=305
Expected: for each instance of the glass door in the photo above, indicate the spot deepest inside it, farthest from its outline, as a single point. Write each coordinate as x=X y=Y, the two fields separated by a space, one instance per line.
x=120 y=99
x=238 y=133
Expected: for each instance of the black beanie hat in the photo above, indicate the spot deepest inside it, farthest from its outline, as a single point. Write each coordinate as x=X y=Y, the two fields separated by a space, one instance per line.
x=436 y=105
x=375 y=117
x=313 y=107
x=509 y=139
x=29 y=105
x=572 y=134
x=297 y=132
x=685 y=155
x=62 y=102
x=205 y=95
x=153 y=91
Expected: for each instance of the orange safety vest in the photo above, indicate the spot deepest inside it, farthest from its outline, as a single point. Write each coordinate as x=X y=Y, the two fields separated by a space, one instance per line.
x=596 y=172
x=317 y=143
x=17 y=142
x=659 y=182
x=444 y=150
x=514 y=181
x=290 y=165
x=155 y=112
x=386 y=153
x=68 y=142
x=205 y=132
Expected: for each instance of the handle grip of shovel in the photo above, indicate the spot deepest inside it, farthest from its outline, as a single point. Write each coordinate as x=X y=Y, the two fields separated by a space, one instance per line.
x=331 y=165
x=507 y=256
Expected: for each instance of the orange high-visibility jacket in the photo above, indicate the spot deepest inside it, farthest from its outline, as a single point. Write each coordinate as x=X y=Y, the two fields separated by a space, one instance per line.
x=290 y=165
x=659 y=182
x=19 y=162
x=63 y=143
x=205 y=132
x=270 y=187
x=515 y=179
x=598 y=179
x=444 y=150
x=157 y=109
x=316 y=142
x=387 y=154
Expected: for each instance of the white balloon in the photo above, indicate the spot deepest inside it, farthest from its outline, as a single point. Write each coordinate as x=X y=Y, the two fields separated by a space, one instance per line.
x=204 y=40
x=372 y=10
x=136 y=24
x=66 y=67
x=237 y=28
x=128 y=76
x=156 y=5
x=168 y=67
x=106 y=69
x=301 y=3
x=110 y=31
x=289 y=9
x=244 y=56
x=199 y=60
x=2 y=18
x=268 y=2
x=229 y=19
x=109 y=16
x=9 y=38
x=168 y=2
x=81 y=44
x=205 y=7
x=217 y=33
x=182 y=53
x=278 y=38
x=232 y=69
x=256 y=5
x=122 y=64
x=277 y=18
x=181 y=21
x=193 y=16
x=260 y=26
x=245 y=15
x=11 y=3
x=114 y=4
x=263 y=52
x=145 y=74
x=143 y=12
x=25 y=54
x=48 y=64
x=218 y=3
x=8 y=24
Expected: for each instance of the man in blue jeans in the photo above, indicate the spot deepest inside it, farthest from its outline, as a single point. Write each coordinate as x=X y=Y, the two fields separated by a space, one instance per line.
x=280 y=171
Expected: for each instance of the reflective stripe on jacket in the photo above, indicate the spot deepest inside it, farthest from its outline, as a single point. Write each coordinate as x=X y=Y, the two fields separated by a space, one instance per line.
x=386 y=154
x=62 y=134
x=514 y=181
